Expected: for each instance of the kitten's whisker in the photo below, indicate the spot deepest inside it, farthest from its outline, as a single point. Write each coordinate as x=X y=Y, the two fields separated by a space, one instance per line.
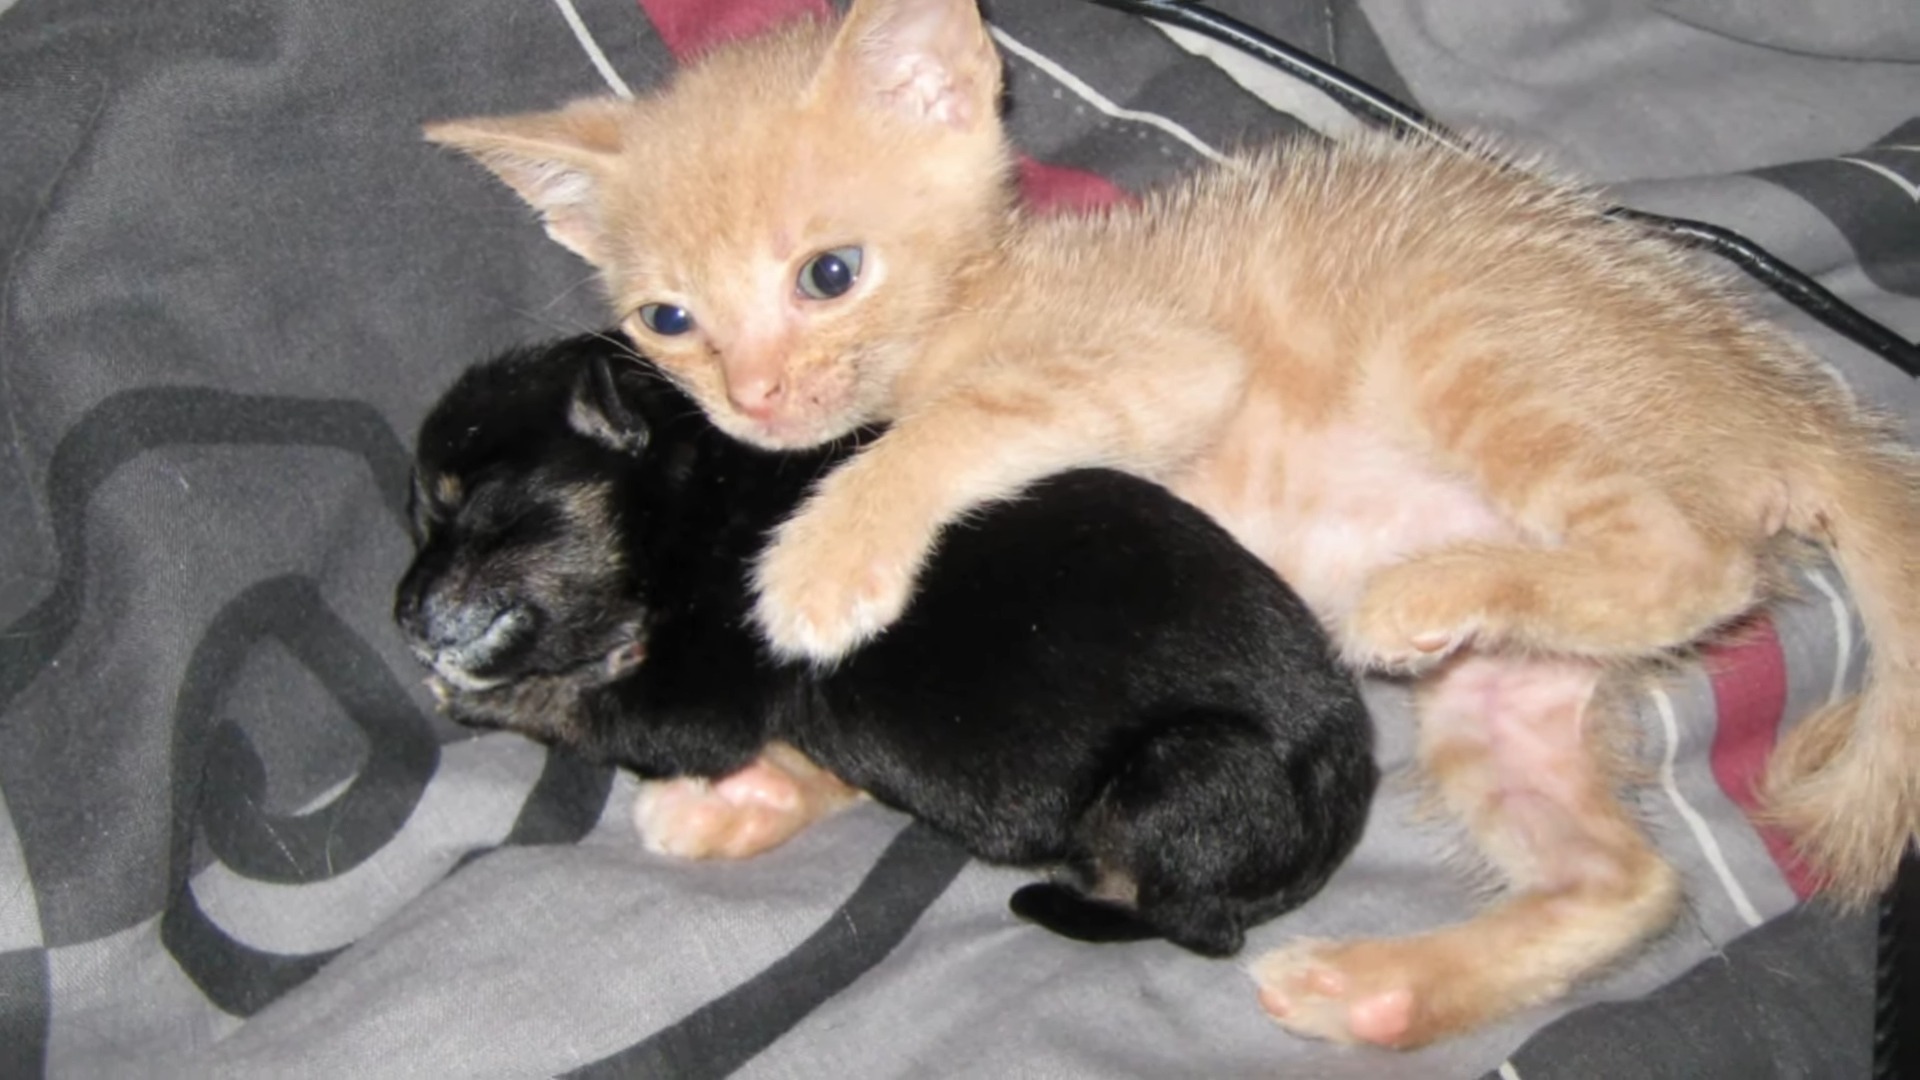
x=564 y=293
x=543 y=321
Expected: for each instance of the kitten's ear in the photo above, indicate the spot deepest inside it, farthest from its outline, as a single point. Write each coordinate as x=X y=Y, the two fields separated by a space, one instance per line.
x=930 y=60
x=556 y=161
x=600 y=411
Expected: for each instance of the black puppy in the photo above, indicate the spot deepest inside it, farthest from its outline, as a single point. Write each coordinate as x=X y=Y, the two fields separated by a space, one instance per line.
x=1094 y=676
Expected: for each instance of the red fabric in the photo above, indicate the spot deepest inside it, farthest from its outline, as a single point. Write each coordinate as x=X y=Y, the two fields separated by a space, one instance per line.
x=689 y=27
x=1057 y=187
x=1749 y=678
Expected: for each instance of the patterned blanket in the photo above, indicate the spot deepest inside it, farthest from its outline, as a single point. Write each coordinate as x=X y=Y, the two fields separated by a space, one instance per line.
x=236 y=841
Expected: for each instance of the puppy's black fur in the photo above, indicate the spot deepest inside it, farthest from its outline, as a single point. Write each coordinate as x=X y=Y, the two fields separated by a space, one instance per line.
x=1094 y=676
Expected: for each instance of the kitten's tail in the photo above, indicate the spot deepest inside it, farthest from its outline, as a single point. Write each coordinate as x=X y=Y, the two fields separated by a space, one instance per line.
x=1846 y=782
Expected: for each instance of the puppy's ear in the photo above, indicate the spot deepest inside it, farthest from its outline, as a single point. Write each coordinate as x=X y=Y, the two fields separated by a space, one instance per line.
x=601 y=412
x=625 y=657
x=556 y=161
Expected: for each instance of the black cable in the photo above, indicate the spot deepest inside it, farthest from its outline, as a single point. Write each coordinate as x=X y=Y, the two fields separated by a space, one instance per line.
x=1383 y=109
x=1789 y=283
x=1354 y=94
x=1885 y=978
x=1896 y=1039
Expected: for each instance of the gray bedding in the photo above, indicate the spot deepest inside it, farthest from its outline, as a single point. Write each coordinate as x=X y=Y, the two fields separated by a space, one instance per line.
x=236 y=841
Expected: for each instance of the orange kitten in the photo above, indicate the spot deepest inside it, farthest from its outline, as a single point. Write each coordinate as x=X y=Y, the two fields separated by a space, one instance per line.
x=1495 y=439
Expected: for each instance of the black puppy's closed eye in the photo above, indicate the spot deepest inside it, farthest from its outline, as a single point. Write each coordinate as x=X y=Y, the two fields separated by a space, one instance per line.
x=599 y=412
x=422 y=513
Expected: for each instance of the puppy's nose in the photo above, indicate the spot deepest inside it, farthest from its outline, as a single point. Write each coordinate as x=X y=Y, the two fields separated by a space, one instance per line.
x=459 y=628
x=462 y=635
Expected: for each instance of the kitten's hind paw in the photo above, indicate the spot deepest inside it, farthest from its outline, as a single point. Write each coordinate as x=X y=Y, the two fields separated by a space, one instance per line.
x=1397 y=993
x=1307 y=988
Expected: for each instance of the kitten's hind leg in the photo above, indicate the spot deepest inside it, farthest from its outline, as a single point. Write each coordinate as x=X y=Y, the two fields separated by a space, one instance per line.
x=1627 y=574
x=1513 y=748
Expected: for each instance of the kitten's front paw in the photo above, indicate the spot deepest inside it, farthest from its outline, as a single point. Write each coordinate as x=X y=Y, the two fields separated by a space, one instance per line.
x=824 y=590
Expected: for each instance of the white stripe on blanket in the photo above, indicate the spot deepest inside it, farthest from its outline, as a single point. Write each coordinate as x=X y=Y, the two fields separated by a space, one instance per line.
x=1698 y=825
x=1842 y=634
x=1098 y=100
x=1280 y=90
x=585 y=37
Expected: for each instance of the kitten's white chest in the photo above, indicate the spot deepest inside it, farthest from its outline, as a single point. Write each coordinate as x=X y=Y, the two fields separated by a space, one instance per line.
x=1327 y=506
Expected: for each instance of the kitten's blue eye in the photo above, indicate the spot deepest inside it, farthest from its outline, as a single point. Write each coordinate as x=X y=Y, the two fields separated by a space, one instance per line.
x=830 y=273
x=666 y=319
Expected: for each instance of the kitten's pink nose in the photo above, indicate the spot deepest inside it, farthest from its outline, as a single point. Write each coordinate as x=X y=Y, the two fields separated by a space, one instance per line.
x=756 y=397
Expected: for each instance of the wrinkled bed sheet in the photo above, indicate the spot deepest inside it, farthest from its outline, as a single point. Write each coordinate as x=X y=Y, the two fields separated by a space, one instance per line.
x=236 y=841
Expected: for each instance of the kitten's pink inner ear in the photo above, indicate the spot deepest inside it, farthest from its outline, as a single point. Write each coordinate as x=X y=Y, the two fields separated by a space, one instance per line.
x=930 y=60
x=552 y=160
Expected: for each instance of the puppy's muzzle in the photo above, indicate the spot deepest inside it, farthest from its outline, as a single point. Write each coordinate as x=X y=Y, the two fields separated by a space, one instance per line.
x=465 y=643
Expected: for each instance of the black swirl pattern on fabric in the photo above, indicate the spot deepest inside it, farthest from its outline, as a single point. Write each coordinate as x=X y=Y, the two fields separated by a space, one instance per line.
x=728 y=1031
x=335 y=838
x=565 y=804
x=218 y=777
x=1866 y=195
x=219 y=786
x=239 y=979
x=218 y=783
x=129 y=424
x=25 y=990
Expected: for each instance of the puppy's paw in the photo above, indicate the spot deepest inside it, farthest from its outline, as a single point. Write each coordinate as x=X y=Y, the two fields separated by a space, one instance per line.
x=754 y=810
x=825 y=587
x=1358 y=992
